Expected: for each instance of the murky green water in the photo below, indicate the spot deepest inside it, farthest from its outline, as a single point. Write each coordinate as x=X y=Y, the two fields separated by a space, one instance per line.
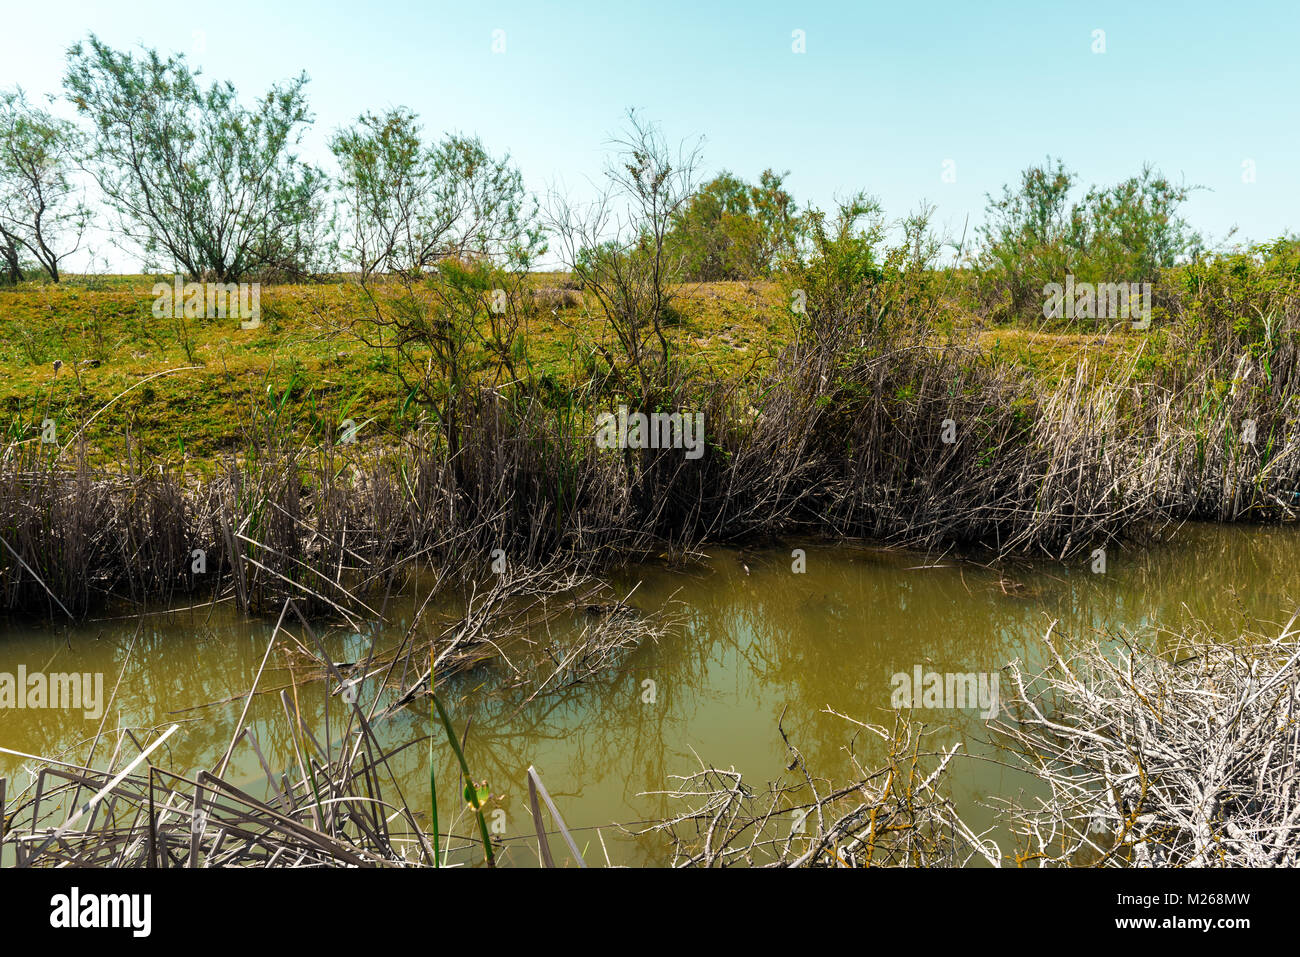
x=759 y=641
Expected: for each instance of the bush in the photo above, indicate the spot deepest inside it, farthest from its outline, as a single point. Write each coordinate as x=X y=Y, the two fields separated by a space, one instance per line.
x=1126 y=233
x=734 y=230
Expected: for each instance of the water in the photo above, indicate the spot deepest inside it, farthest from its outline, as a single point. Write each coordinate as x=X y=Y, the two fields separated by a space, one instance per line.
x=759 y=644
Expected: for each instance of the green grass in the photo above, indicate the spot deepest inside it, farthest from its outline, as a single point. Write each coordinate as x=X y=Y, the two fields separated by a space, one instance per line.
x=306 y=352
x=307 y=368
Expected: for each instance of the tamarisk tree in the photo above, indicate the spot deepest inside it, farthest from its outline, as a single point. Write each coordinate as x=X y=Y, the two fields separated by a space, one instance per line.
x=41 y=208
x=410 y=205
x=193 y=176
x=442 y=234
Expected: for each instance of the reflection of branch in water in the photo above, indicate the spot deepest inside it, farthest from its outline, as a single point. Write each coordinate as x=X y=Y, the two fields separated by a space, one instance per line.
x=520 y=604
x=608 y=634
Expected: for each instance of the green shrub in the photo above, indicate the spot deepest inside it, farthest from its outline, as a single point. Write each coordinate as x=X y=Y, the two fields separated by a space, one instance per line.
x=734 y=230
x=1034 y=236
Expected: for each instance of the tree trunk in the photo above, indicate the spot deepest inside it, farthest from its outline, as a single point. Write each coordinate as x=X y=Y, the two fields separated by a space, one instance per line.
x=9 y=252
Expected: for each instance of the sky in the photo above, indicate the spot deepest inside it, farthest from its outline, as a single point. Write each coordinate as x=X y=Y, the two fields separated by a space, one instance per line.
x=938 y=102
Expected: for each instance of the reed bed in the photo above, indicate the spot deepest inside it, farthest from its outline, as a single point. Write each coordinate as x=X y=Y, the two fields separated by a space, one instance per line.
x=902 y=435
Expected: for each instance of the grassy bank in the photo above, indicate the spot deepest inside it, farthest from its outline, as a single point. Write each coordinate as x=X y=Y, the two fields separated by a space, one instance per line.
x=308 y=359
x=893 y=412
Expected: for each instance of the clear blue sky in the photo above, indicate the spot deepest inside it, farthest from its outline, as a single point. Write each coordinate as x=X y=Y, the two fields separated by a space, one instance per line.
x=883 y=96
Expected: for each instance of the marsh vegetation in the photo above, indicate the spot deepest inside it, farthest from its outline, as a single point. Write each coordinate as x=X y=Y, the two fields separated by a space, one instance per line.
x=413 y=416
